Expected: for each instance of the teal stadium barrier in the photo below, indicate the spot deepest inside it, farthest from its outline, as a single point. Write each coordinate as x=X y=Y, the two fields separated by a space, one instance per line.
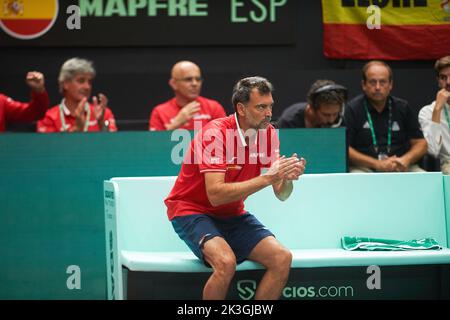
x=52 y=210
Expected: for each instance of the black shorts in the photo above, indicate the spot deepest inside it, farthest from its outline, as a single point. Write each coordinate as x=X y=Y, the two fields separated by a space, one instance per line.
x=242 y=233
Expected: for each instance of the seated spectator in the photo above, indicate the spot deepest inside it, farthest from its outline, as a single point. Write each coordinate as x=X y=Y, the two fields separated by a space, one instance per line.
x=75 y=113
x=323 y=110
x=383 y=132
x=435 y=117
x=14 y=111
x=187 y=106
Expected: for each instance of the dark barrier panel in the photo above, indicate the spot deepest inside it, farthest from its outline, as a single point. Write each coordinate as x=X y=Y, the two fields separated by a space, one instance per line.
x=334 y=283
x=52 y=215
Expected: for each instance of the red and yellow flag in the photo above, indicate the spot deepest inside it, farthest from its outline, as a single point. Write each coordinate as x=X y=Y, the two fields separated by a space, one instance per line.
x=27 y=19
x=408 y=29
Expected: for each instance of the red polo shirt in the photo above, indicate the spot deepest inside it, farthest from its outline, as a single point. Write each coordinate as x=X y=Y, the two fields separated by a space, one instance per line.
x=220 y=147
x=164 y=114
x=52 y=120
x=14 y=111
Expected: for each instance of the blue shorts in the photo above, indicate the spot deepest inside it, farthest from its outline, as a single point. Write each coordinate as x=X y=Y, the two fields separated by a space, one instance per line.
x=242 y=233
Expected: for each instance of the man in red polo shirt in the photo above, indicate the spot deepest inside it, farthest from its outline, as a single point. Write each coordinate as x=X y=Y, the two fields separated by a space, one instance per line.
x=228 y=160
x=187 y=106
x=15 y=111
x=74 y=113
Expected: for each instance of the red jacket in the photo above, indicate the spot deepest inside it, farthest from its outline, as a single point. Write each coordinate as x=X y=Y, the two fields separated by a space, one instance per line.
x=164 y=113
x=14 y=111
x=52 y=120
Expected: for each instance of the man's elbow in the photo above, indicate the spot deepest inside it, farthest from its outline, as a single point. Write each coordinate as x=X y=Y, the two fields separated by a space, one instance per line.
x=214 y=198
x=281 y=197
x=424 y=147
x=214 y=201
x=419 y=147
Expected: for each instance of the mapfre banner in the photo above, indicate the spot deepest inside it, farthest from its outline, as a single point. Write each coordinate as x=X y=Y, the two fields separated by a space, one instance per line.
x=94 y=23
x=386 y=29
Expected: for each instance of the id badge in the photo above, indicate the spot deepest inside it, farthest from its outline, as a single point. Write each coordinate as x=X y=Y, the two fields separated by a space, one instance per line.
x=382 y=156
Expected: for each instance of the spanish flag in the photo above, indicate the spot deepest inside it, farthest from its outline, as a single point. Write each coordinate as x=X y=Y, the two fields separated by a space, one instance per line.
x=27 y=19
x=407 y=29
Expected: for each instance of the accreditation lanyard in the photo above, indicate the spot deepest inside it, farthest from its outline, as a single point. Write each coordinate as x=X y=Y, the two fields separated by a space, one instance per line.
x=372 y=130
x=446 y=115
x=63 y=119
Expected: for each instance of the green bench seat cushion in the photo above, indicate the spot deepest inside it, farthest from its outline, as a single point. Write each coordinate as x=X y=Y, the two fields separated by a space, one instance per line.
x=303 y=258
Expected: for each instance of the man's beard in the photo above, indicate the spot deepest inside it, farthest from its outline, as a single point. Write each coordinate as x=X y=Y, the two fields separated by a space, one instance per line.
x=265 y=123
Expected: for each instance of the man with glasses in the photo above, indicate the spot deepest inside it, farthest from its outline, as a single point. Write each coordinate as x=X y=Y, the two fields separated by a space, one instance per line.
x=187 y=107
x=435 y=117
x=323 y=109
x=383 y=132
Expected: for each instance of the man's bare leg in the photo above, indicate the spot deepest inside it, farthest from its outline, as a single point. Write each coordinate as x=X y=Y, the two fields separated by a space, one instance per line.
x=277 y=259
x=219 y=255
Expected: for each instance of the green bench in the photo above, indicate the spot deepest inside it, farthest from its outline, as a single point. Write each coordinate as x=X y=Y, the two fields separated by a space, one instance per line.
x=322 y=209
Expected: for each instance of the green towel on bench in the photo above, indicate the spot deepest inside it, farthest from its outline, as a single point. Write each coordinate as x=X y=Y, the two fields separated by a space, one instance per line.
x=373 y=244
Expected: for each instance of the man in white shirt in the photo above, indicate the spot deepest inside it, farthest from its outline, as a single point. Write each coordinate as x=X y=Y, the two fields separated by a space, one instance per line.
x=435 y=117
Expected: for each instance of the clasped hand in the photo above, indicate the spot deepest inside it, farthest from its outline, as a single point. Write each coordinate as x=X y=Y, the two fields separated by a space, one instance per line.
x=289 y=169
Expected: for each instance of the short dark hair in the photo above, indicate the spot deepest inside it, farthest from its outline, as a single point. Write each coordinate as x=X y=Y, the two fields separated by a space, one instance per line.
x=331 y=96
x=441 y=63
x=243 y=88
x=376 y=62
